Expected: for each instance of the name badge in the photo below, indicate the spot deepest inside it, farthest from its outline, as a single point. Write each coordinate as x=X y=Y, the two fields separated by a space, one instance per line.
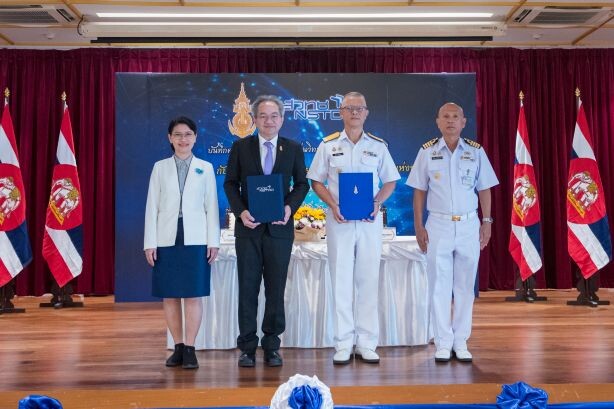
x=338 y=154
x=467 y=180
x=436 y=157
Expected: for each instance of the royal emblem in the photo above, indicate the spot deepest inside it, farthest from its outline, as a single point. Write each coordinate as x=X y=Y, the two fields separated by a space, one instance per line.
x=10 y=198
x=64 y=199
x=525 y=196
x=582 y=192
x=242 y=123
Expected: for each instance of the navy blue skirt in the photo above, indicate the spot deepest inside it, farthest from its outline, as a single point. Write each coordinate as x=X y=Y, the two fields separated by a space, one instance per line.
x=181 y=271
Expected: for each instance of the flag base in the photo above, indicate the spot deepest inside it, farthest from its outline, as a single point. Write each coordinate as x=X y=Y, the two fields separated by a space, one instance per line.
x=525 y=291
x=588 y=292
x=7 y=292
x=62 y=298
x=588 y=302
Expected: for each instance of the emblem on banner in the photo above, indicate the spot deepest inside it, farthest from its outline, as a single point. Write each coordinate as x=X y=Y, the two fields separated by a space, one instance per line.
x=525 y=196
x=10 y=198
x=64 y=199
x=242 y=124
x=582 y=192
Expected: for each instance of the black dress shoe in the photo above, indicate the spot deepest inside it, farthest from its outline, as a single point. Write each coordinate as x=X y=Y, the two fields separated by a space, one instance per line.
x=272 y=358
x=176 y=358
x=189 y=358
x=247 y=360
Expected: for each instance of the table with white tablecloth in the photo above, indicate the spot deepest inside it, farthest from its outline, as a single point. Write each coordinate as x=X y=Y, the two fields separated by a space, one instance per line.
x=403 y=301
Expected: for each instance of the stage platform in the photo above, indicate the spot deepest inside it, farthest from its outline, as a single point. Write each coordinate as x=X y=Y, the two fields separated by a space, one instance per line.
x=109 y=355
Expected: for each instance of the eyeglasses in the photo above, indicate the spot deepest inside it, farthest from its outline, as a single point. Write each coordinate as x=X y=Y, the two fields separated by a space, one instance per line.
x=273 y=117
x=353 y=109
x=187 y=135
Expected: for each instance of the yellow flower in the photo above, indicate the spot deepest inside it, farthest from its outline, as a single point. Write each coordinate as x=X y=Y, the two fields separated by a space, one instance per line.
x=309 y=213
x=319 y=214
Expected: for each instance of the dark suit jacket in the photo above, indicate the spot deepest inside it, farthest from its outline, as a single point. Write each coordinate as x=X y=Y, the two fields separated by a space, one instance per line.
x=244 y=160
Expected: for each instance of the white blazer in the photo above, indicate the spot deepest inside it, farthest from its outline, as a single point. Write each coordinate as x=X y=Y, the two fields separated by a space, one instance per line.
x=201 y=222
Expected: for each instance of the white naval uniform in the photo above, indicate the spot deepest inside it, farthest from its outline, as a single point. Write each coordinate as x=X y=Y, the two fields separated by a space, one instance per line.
x=451 y=180
x=355 y=247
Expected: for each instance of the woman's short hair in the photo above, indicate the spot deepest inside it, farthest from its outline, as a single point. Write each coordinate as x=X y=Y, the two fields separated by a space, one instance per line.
x=181 y=120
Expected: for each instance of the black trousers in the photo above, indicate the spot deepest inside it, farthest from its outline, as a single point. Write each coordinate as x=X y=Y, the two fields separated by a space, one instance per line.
x=263 y=257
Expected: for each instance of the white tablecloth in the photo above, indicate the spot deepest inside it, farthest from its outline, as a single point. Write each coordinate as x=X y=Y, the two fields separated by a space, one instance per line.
x=403 y=301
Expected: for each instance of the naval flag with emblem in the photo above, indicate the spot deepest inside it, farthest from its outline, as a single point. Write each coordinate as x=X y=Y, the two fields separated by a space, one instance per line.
x=15 y=250
x=62 y=239
x=588 y=233
x=525 y=240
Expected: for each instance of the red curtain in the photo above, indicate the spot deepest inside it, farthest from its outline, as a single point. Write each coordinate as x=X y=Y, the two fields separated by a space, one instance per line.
x=547 y=77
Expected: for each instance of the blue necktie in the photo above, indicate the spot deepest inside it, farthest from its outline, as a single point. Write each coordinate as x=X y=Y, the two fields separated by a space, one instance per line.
x=268 y=159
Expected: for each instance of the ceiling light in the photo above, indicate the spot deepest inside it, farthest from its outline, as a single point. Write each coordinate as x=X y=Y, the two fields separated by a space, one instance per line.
x=287 y=23
x=343 y=16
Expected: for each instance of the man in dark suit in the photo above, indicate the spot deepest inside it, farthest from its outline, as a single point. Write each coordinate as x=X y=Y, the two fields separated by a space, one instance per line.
x=263 y=249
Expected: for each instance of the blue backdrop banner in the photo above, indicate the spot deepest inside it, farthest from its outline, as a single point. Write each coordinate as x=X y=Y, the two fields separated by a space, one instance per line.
x=402 y=111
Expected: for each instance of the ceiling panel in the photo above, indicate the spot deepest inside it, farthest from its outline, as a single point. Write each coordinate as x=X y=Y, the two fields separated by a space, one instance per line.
x=43 y=37
x=536 y=36
x=601 y=37
x=515 y=35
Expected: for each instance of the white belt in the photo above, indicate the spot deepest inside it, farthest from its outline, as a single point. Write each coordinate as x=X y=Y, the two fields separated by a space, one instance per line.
x=454 y=217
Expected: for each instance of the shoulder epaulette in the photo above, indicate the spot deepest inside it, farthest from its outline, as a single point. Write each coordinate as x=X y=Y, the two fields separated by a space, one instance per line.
x=430 y=143
x=332 y=137
x=377 y=138
x=473 y=143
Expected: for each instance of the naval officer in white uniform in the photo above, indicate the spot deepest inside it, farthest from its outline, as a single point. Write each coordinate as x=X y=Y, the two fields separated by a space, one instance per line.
x=354 y=247
x=452 y=173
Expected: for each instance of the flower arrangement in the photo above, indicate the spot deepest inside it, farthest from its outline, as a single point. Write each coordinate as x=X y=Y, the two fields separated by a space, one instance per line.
x=307 y=216
x=302 y=392
x=309 y=223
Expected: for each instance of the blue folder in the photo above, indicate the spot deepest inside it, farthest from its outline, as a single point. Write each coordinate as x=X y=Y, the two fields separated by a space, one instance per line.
x=356 y=195
x=265 y=197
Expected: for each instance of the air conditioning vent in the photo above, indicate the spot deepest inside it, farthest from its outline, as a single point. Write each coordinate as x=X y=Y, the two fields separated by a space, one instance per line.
x=522 y=15
x=34 y=15
x=562 y=16
x=556 y=17
x=67 y=16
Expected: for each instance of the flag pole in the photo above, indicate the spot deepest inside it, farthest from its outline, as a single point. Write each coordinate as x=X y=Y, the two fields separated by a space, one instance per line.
x=521 y=286
x=528 y=285
x=525 y=289
x=7 y=291
x=587 y=287
x=62 y=296
x=577 y=99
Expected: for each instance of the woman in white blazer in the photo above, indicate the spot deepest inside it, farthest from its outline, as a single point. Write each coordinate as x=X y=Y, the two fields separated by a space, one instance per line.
x=182 y=237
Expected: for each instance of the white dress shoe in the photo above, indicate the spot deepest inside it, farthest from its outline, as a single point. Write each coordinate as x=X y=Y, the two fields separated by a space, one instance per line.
x=367 y=355
x=463 y=355
x=443 y=355
x=342 y=357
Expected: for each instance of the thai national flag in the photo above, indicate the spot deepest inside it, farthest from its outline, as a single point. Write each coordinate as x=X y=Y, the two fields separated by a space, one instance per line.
x=15 y=250
x=588 y=233
x=525 y=240
x=63 y=236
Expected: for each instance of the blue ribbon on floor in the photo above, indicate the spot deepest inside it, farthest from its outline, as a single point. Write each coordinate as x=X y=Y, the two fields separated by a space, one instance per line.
x=39 y=402
x=520 y=395
x=305 y=397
